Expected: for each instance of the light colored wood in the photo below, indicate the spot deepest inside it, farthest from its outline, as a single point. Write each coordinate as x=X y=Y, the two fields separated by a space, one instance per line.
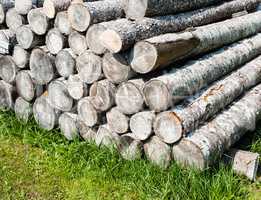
x=130 y=148
x=117 y=121
x=55 y=41
x=77 y=43
x=106 y=137
x=51 y=7
x=21 y=57
x=5 y=5
x=62 y=23
x=38 y=21
x=24 y=6
x=23 y=109
x=87 y=133
x=76 y=88
x=7 y=95
x=8 y=69
x=68 y=126
x=14 y=20
x=7 y=41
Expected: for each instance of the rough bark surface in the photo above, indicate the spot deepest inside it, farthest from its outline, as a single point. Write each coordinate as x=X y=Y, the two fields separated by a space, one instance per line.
x=24 y=6
x=4 y=6
x=14 y=20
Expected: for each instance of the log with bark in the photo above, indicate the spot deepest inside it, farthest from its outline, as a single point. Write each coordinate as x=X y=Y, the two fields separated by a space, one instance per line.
x=77 y=43
x=166 y=90
x=62 y=23
x=14 y=20
x=129 y=97
x=51 y=7
x=21 y=57
x=171 y=126
x=117 y=121
x=23 y=109
x=87 y=133
x=77 y=89
x=7 y=95
x=38 y=21
x=106 y=137
x=103 y=95
x=55 y=41
x=137 y=9
x=160 y=51
x=68 y=125
x=8 y=69
x=24 y=6
x=7 y=41
x=25 y=86
x=206 y=145
x=5 y=5
x=123 y=33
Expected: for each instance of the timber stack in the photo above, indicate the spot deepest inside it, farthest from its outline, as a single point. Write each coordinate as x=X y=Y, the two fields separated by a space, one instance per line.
x=168 y=79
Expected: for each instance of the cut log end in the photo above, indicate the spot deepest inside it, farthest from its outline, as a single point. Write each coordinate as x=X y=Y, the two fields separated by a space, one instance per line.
x=8 y=69
x=157 y=95
x=7 y=95
x=38 y=21
x=20 y=57
x=49 y=8
x=168 y=127
x=23 y=6
x=106 y=137
x=65 y=63
x=130 y=148
x=25 y=86
x=77 y=43
x=87 y=133
x=117 y=121
x=136 y=9
x=79 y=17
x=54 y=41
x=23 y=109
x=13 y=19
x=25 y=37
x=68 y=126
x=62 y=23
x=111 y=40
x=76 y=88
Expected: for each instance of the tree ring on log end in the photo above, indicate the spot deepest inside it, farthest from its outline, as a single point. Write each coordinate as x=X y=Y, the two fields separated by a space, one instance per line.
x=25 y=37
x=136 y=9
x=111 y=40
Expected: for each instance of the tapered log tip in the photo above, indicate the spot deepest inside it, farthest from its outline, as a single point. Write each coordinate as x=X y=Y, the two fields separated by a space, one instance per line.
x=188 y=154
x=136 y=9
x=111 y=40
x=168 y=127
x=144 y=57
x=49 y=8
x=79 y=17
x=157 y=95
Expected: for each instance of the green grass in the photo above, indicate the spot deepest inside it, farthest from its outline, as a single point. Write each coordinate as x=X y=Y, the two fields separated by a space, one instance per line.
x=36 y=164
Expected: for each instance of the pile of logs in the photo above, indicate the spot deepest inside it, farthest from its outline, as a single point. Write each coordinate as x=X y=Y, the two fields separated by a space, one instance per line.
x=169 y=79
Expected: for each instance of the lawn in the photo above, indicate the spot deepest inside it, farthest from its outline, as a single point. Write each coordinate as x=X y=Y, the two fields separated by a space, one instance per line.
x=37 y=164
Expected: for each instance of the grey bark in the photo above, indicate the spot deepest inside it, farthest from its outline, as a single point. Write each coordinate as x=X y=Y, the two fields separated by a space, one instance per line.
x=51 y=7
x=23 y=109
x=117 y=121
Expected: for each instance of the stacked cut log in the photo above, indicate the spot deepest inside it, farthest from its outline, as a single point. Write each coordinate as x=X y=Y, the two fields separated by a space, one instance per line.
x=174 y=80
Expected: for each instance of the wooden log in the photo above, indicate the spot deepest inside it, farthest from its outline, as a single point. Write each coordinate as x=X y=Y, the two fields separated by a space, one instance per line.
x=62 y=23
x=5 y=5
x=7 y=95
x=206 y=145
x=24 y=6
x=14 y=20
x=158 y=152
x=58 y=95
x=41 y=67
x=27 y=39
x=76 y=88
x=116 y=68
x=65 y=63
x=8 y=69
x=243 y=162
x=160 y=51
x=83 y=15
x=103 y=95
x=23 y=109
x=38 y=21
x=117 y=121
x=21 y=57
x=129 y=97
x=68 y=125
x=77 y=43
x=170 y=127
x=141 y=124
x=166 y=90
x=55 y=41
x=87 y=133
x=7 y=41
x=106 y=137
x=25 y=86
x=137 y=9
x=44 y=114
x=87 y=112
x=130 y=148
x=89 y=67
x=122 y=34
x=51 y=7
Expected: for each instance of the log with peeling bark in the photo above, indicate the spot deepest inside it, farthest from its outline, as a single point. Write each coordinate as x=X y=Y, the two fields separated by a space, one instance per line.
x=141 y=124
x=123 y=33
x=170 y=127
x=103 y=95
x=24 y=6
x=77 y=89
x=68 y=125
x=25 y=86
x=8 y=69
x=158 y=152
x=106 y=137
x=23 y=109
x=14 y=20
x=77 y=43
x=116 y=68
x=137 y=9
x=58 y=95
x=5 y=5
x=89 y=67
x=130 y=148
x=62 y=23
x=206 y=145
x=41 y=66
x=44 y=114
x=7 y=41
x=21 y=57
x=243 y=162
x=27 y=39
x=87 y=133
x=129 y=97
x=87 y=112
x=7 y=95
x=160 y=51
x=83 y=15
x=38 y=21
x=55 y=41
x=117 y=121
x=166 y=90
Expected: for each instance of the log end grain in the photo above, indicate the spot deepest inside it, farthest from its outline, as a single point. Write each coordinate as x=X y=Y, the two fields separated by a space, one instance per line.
x=13 y=19
x=68 y=126
x=65 y=63
x=23 y=109
x=87 y=133
x=168 y=127
x=25 y=37
x=54 y=41
x=130 y=148
x=8 y=69
x=62 y=23
x=111 y=40
x=25 y=86
x=76 y=88
x=77 y=43
x=23 y=6
x=20 y=57
x=49 y=8
x=38 y=21
x=136 y=9
x=117 y=121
